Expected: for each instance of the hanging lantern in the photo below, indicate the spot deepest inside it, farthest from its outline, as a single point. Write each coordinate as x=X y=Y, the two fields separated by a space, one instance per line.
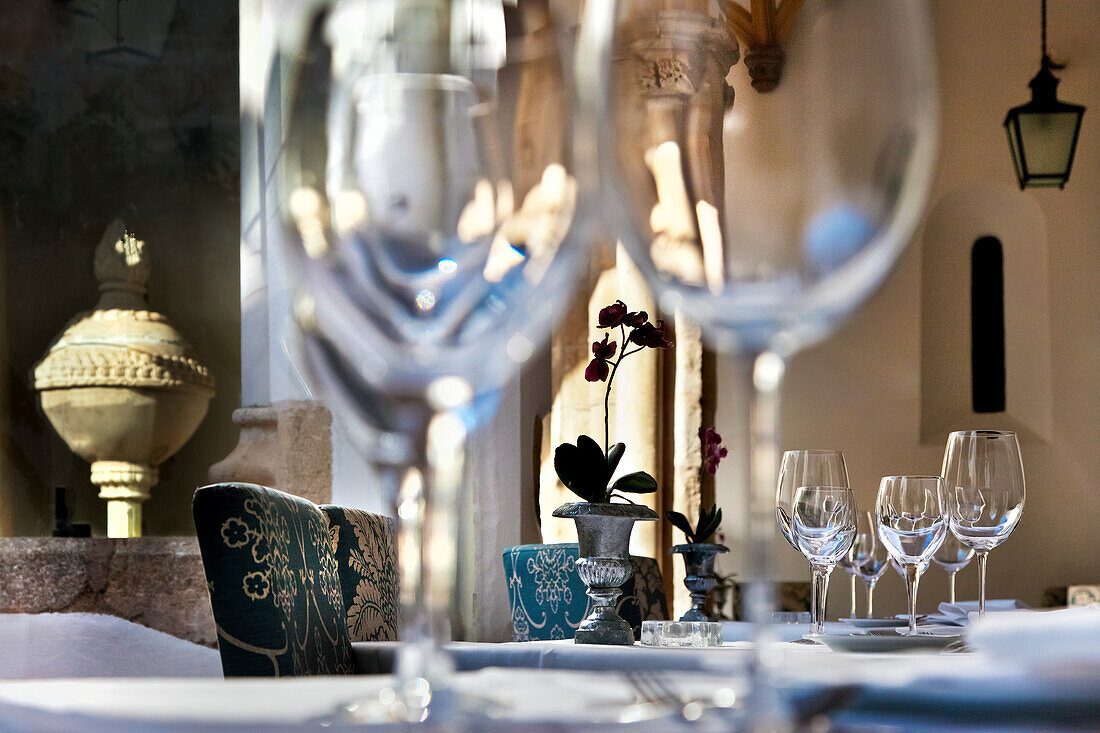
x=1042 y=134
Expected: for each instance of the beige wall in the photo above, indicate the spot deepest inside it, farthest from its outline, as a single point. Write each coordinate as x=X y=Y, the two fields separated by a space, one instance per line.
x=860 y=391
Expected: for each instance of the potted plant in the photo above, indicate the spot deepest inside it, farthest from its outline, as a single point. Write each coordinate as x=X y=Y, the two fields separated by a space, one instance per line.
x=586 y=469
x=699 y=552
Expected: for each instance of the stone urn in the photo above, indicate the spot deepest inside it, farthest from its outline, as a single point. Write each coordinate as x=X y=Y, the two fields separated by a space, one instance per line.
x=699 y=565
x=603 y=532
x=121 y=386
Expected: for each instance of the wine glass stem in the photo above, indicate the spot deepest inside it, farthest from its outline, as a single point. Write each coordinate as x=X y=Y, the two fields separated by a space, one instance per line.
x=852 y=614
x=912 y=579
x=763 y=374
x=428 y=553
x=981 y=581
x=951 y=587
x=761 y=378
x=820 y=594
x=870 y=598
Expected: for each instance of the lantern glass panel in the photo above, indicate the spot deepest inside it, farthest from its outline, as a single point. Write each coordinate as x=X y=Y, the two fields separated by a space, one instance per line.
x=1048 y=142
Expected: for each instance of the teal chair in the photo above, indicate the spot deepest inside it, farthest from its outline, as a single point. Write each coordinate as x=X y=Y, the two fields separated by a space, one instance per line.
x=273 y=580
x=365 y=547
x=548 y=599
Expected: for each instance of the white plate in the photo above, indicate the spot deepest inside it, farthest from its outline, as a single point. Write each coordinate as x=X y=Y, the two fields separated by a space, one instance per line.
x=882 y=642
x=876 y=623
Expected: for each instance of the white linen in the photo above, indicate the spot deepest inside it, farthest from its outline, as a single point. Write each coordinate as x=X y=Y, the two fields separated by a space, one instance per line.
x=966 y=690
x=1068 y=636
x=44 y=645
x=960 y=613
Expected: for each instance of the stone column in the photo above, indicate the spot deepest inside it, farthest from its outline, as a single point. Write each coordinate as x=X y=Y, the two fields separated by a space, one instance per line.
x=688 y=489
x=7 y=497
x=638 y=396
x=289 y=439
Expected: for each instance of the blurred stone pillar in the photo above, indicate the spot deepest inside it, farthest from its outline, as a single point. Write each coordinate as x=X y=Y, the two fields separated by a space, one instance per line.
x=689 y=492
x=289 y=439
x=637 y=395
x=7 y=487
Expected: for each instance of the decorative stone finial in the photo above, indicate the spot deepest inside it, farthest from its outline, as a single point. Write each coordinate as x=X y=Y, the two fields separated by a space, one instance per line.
x=122 y=268
x=120 y=384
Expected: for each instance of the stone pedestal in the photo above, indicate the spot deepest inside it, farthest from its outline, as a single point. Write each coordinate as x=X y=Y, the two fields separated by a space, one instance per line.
x=154 y=581
x=285 y=446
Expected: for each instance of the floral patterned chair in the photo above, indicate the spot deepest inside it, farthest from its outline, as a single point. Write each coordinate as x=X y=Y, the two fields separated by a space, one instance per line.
x=549 y=600
x=274 y=586
x=365 y=547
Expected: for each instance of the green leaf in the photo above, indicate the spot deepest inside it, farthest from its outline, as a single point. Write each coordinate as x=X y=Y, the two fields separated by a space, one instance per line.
x=638 y=482
x=567 y=461
x=709 y=521
x=584 y=476
x=680 y=522
x=614 y=454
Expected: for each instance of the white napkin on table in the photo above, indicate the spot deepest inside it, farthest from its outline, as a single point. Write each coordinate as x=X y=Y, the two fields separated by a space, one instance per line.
x=1066 y=636
x=959 y=613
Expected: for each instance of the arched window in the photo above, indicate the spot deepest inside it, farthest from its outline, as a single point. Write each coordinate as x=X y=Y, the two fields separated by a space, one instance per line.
x=987 y=325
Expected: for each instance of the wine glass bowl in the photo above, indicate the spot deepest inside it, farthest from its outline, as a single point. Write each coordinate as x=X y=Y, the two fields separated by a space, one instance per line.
x=911 y=517
x=823 y=526
x=435 y=218
x=805 y=468
x=984 y=475
x=952 y=556
x=868 y=557
x=820 y=184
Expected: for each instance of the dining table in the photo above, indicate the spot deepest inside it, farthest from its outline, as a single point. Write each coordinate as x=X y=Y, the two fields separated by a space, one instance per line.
x=560 y=686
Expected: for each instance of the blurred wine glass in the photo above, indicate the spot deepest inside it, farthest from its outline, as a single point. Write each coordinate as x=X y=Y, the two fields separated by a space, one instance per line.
x=769 y=218
x=847 y=564
x=984 y=475
x=868 y=557
x=823 y=524
x=806 y=468
x=435 y=210
x=952 y=556
x=911 y=518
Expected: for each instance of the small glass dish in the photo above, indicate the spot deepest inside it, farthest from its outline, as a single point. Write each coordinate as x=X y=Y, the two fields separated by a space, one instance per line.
x=695 y=634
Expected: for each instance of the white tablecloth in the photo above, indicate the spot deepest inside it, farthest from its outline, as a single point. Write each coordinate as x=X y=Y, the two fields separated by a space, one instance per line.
x=374 y=657
x=921 y=690
x=46 y=645
x=929 y=691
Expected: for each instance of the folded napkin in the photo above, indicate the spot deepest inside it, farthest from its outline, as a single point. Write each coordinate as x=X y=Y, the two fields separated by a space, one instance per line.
x=1067 y=636
x=959 y=613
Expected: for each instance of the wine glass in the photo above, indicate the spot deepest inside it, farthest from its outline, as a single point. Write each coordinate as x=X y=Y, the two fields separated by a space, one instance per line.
x=805 y=468
x=868 y=556
x=435 y=214
x=952 y=556
x=912 y=522
x=984 y=475
x=823 y=525
x=848 y=566
x=767 y=222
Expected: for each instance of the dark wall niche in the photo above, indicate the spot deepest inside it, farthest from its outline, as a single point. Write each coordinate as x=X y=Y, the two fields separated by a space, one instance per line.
x=987 y=325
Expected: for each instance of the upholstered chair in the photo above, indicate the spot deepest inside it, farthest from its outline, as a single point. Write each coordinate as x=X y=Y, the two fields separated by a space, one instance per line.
x=274 y=586
x=549 y=600
x=365 y=547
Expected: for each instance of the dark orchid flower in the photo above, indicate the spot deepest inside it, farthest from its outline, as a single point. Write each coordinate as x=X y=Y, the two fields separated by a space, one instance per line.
x=584 y=468
x=713 y=450
x=597 y=369
x=612 y=315
x=651 y=335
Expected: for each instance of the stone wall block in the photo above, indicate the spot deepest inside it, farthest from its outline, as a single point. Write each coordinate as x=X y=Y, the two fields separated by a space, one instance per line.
x=154 y=581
